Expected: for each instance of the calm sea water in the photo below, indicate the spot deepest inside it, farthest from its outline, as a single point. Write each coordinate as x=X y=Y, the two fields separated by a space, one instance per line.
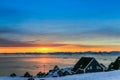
x=19 y=64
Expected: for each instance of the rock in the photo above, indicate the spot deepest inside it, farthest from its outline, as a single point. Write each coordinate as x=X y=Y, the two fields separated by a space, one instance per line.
x=27 y=74
x=13 y=75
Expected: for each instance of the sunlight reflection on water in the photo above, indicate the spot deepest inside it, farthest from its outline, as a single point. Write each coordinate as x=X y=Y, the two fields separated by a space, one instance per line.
x=33 y=64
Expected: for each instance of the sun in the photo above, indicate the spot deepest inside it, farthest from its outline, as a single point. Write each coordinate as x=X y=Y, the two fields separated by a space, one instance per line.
x=44 y=49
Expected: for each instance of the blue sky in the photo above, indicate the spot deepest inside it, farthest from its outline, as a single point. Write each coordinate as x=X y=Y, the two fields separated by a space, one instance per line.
x=77 y=22
x=61 y=9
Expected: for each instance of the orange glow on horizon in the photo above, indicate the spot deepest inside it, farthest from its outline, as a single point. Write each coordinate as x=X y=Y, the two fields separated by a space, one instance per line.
x=56 y=49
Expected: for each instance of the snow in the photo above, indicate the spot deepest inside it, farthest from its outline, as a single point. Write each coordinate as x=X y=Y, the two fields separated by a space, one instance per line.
x=113 y=75
x=67 y=69
x=55 y=73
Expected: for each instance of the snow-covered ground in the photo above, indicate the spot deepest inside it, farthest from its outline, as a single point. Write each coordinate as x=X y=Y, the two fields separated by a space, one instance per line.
x=113 y=75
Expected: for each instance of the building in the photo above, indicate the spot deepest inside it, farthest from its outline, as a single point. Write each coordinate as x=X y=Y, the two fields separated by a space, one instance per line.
x=88 y=65
x=115 y=65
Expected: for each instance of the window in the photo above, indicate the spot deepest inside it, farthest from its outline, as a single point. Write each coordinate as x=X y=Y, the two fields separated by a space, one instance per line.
x=98 y=67
x=89 y=68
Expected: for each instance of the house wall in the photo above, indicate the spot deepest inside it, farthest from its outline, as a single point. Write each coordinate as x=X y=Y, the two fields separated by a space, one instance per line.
x=94 y=67
x=79 y=71
x=116 y=64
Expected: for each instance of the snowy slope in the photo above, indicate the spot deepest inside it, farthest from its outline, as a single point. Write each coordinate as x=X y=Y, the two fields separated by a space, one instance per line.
x=55 y=73
x=113 y=75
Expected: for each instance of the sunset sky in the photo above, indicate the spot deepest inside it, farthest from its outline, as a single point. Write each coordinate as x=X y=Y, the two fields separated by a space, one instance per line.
x=59 y=25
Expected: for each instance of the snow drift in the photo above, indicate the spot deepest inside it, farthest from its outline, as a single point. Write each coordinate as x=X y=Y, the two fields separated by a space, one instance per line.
x=112 y=75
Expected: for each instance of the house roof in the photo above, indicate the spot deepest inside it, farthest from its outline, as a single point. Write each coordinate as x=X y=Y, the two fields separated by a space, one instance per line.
x=82 y=63
x=118 y=59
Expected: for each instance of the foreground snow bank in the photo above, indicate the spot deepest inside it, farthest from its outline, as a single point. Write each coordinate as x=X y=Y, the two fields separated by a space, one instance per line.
x=113 y=75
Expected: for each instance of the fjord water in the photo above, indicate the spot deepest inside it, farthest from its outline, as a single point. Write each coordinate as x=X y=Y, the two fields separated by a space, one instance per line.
x=33 y=64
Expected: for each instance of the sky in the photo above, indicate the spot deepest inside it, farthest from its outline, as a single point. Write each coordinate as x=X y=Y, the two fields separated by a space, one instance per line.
x=59 y=25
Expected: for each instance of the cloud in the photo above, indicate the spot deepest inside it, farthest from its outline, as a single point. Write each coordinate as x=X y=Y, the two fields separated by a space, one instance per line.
x=12 y=43
x=9 y=42
x=110 y=31
x=105 y=31
x=5 y=29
